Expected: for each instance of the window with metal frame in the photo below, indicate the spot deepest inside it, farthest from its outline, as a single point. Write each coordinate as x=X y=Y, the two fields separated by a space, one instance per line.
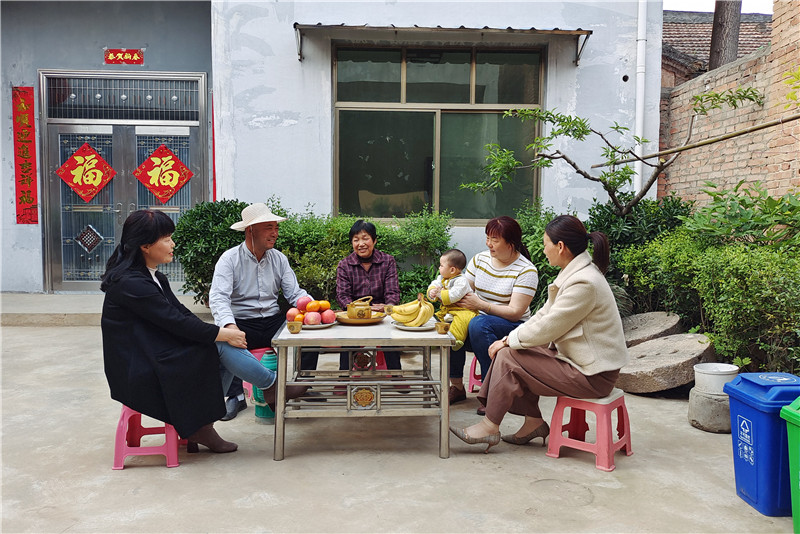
x=412 y=125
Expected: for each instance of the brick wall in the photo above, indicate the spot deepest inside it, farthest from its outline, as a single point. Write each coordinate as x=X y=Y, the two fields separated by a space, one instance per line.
x=772 y=155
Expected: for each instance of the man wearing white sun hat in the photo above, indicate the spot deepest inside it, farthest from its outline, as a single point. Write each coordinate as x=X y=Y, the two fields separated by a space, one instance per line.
x=244 y=290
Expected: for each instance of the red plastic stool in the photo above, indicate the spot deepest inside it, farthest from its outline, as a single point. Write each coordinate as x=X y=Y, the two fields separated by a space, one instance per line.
x=247 y=386
x=129 y=439
x=604 y=446
x=474 y=378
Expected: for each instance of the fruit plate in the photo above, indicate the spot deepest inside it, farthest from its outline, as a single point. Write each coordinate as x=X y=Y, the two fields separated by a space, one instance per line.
x=430 y=325
x=375 y=319
x=317 y=326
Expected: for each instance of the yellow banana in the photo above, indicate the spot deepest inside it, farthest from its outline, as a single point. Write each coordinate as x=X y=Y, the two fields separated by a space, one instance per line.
x=425 y=313
x=407 y=312
x=407 y=308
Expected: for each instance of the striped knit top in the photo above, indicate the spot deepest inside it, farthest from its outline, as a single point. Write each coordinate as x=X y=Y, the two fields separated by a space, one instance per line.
x=496 y=285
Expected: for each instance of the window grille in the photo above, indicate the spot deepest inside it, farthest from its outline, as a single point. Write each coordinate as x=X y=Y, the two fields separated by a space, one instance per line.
x=122 y=99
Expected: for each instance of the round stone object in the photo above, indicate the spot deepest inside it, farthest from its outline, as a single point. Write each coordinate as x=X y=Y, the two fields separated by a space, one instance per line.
x=664 y=363
x=646 y=326
x=709 y=411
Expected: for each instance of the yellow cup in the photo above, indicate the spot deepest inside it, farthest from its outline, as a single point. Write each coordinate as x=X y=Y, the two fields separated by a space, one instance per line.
x=442 y=328
x=295 y=327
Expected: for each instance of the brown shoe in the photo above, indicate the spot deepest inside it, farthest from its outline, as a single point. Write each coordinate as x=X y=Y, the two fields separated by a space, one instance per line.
x=455 y=394
x=292 y=392
x=207 y=436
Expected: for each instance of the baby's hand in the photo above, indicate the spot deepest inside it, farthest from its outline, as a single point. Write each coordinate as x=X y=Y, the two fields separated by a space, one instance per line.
x=434 y=292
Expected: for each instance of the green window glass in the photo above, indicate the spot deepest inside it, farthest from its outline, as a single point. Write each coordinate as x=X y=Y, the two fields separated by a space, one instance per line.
x=368 y=75
x=464 y=136
x=438 y=76
x=507 y=77
x=385 y=162
x=412 y=125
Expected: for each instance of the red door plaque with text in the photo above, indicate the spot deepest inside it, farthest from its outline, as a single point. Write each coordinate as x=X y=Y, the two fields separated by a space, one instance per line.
x=124 y=56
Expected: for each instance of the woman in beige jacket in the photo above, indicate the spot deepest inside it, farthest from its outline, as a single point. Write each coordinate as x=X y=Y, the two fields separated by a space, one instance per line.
x=573 y=346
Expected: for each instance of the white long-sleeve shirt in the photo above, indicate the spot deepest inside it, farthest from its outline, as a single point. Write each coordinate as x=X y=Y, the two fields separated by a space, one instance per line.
x=246 y=288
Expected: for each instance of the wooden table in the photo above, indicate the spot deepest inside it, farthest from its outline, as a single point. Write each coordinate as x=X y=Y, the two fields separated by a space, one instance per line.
x=365 y=391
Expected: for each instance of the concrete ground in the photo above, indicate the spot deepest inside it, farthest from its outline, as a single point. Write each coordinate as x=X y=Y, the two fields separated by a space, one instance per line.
x=339 y=475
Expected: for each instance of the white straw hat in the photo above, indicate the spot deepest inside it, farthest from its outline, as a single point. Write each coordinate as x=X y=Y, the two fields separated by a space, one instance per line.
x=254 y=214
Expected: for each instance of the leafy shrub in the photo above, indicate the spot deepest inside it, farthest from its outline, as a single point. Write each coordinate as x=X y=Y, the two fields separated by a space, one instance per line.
x=747 y=215
x=746 y=299
x=659 y=274
x=751 y=299
x=647 y=220
x=314 y=245
x=533 y=218
x=201 y=235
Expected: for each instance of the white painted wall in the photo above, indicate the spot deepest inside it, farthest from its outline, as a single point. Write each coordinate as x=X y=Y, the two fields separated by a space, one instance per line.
x=274 y=113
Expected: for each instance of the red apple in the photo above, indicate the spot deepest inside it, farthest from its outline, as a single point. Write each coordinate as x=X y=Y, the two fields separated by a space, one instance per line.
x=290 y=315
x=328 y=316
x=302 y=302
x=312 y=318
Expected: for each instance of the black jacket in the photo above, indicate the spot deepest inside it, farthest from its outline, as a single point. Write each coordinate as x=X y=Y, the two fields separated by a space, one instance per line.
x=160 y=359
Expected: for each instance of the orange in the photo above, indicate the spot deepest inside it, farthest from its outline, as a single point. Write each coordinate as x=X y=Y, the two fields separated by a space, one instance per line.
x=324 y=305
x=312 y=306
x=299 y=317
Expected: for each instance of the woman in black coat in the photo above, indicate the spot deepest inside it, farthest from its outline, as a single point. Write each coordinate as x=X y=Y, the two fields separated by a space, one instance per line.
x=160 y=359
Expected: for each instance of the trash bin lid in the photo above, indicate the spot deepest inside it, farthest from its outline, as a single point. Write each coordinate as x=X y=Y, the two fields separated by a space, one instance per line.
x=792 y=412
x=768 y=392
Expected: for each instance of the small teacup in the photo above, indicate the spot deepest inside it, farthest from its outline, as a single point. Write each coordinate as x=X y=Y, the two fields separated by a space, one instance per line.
x=295 y=327
x=442 y=328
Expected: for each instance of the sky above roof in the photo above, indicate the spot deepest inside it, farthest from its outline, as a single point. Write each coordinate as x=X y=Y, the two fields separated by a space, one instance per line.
x=748 y=6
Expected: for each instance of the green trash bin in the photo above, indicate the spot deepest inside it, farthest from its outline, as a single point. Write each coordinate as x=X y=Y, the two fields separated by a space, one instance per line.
x=791 y=414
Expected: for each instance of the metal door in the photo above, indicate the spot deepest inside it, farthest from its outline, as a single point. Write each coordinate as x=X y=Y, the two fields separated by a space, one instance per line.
x=79 y=235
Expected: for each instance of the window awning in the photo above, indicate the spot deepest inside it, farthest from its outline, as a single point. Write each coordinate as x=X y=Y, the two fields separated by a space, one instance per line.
x=414 y=32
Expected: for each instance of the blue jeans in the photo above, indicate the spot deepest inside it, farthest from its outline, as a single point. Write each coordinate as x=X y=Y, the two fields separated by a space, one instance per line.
x=239 y=362
x=483 y=331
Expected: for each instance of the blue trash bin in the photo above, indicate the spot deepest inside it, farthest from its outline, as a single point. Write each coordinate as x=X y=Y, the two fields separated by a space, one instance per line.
x=760 y=449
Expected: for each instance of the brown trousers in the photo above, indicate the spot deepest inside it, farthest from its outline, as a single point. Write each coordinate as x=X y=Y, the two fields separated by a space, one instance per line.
x=517 y=378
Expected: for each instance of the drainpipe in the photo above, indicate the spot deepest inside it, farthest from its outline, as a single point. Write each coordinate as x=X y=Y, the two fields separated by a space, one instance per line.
x=641 y=61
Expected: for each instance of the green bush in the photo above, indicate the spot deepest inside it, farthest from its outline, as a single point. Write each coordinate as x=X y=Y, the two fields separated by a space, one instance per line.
x=746 y=299
x=532 y=218
x=201 y=235
x=659 y=274
x=747 y=215
x=751 y=299
x=314 y=245
x=647 y=220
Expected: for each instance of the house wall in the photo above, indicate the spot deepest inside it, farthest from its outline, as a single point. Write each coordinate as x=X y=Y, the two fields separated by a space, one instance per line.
x=274 y=114
x=770 y=155
x=71 y=36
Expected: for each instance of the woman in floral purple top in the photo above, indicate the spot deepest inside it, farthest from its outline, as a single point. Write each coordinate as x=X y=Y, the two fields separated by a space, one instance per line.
x=368 y=272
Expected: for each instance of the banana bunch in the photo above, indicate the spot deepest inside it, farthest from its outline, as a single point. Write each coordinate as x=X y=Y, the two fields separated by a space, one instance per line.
x=414 y=313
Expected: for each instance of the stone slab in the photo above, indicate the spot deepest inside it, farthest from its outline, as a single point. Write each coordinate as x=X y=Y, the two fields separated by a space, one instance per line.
x=646 y=326
x=664 y=363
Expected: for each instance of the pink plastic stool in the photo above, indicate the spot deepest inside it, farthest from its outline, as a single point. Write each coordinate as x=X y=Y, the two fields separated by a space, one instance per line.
x=129 y=439
x=604 y=446
x=474 y=378
x=247 y=386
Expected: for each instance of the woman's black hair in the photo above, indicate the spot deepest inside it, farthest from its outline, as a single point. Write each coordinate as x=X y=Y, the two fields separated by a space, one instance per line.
x=142 y=227
x=368 y=227
x=571 y=231
x=510 y=230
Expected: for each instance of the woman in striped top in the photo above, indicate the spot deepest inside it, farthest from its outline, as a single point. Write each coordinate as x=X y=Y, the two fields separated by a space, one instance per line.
x=504 y=280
